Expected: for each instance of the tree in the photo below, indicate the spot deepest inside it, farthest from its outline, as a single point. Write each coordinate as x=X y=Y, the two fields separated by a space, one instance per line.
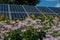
x=22 y=2
x=27 y=2
x=7 y=1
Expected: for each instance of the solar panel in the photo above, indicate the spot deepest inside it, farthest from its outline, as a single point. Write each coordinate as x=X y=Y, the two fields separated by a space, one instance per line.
x=35 y=14
x=16 y=8
x=18 y=15
x=44 y=10
x=5 y=7
x=1 y=7
x=22 y=11
x=30 y=9
x=55 y=9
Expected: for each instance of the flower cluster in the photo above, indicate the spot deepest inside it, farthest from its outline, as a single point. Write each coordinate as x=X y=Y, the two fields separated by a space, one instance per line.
x=30 y=27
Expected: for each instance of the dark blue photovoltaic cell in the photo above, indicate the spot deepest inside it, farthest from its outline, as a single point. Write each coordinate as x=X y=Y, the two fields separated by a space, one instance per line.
x=24 y=15
x=3 y=7
x=16 y=8
x=12 y=15
x=18 y=15
x=36 y=14
x=55 y=9
x=30 y=9
x=44 y=9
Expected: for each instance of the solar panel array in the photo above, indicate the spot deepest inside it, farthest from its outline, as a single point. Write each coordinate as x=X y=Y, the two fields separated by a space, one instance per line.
x=21 y=11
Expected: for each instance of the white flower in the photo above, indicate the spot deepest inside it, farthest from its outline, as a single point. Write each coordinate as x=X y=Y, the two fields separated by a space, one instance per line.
x=48 y=26
x=55 y=21
x=24 y=30
x=40 y=26
x=38 y=20
x=38 y=30
x=12 y=22
x=2 y=28
x=2 y=31
x=28 y=19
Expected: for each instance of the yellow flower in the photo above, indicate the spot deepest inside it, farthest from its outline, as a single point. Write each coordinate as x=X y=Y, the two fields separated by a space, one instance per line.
x=11 y=21
x=17 y=20
x=39 y=17
x=2 y=21
x=56 y=18
x=32 y=15
x=5 y=21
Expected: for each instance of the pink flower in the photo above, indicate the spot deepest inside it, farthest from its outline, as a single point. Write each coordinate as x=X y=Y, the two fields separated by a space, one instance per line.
x=19 y=24
x=29 y=24
x=6 y=31
x=7 y=26
x=58 y=25
x=1 y=23
x=48 y=35
x=46 y=39
x=36 y=26
x=57 y=29
x=49 y=32
x=14 y=28
x=55 y=38
x=33 y=21
x=53 y=27
x=58 y=38
x=24 y=23
x=52 y=38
